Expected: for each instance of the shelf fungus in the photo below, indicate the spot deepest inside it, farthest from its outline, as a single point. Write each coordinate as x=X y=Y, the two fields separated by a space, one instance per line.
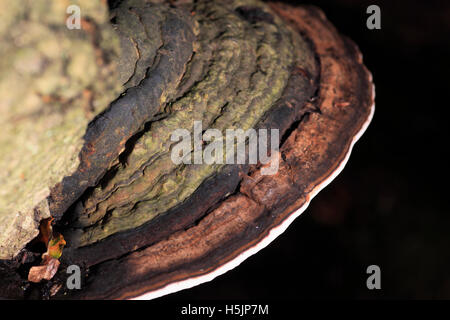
x=89 y=117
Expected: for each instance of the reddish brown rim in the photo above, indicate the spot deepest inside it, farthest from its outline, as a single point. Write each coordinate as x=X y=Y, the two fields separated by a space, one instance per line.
x=306 y=20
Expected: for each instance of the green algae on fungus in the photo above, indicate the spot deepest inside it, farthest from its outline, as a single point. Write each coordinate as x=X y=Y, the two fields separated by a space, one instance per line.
x=224 y=63
x=239 y=70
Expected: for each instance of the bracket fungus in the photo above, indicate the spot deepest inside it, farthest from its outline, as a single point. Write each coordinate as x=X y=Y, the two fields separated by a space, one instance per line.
x=88 y=142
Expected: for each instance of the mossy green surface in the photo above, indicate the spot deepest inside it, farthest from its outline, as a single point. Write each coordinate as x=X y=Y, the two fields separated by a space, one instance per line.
x=44 y=70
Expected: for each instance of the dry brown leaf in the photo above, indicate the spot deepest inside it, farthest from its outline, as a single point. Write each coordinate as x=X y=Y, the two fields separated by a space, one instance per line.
x=45 y=229
x=46 y=271
x=50 y=263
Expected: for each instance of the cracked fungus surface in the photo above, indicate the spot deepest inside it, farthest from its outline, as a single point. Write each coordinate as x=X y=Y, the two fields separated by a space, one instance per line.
x=240 y=64
x=43 y=109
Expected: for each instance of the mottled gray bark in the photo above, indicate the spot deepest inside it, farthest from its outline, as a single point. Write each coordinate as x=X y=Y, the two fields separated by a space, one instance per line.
x=53 y=81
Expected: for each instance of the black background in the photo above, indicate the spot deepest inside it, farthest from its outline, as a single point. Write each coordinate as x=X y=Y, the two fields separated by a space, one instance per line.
x=389 y=207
